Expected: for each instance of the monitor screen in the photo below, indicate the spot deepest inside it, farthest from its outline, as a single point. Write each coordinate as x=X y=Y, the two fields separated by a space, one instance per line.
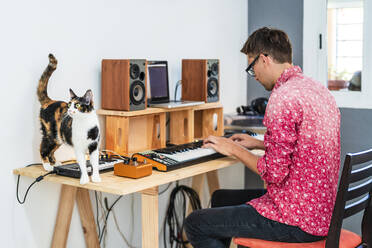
x=158 y=80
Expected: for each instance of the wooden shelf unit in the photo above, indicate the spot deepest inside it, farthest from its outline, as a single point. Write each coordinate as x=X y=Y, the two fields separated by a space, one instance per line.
x=128 y=132
x=127 y=135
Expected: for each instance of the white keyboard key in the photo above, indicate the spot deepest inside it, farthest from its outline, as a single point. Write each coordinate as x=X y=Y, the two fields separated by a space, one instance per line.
x=191 y=154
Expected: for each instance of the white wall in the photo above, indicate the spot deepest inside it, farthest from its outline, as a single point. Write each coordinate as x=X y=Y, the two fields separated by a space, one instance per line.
x=80 y=34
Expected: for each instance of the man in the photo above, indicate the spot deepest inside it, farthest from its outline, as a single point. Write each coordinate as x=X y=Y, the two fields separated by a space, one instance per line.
x=301 y=162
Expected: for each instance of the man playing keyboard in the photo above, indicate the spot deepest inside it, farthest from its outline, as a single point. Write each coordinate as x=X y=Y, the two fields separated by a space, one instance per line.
x=301 y=162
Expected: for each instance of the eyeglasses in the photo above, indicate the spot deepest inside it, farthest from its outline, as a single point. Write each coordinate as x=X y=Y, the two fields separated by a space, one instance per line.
x=249 y=69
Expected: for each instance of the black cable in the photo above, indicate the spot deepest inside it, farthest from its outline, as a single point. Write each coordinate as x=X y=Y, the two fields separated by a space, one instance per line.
x=179 y=82
x=121 y=157
x=131 y=157
x=172 y=219
x=38 y=179
x=166 y=125
x=97 y=214
x=107 y=215
x=169 y=184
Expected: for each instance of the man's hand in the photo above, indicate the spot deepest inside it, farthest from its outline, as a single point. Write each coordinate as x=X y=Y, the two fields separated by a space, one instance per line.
x=220 y=144
x=229 y=147
x=247 y=141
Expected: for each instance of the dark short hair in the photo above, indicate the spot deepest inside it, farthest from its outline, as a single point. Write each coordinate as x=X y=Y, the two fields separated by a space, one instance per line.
x=273 y=42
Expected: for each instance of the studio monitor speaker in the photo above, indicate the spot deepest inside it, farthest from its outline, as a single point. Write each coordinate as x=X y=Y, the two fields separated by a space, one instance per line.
x=200 y=80
x=124 y=84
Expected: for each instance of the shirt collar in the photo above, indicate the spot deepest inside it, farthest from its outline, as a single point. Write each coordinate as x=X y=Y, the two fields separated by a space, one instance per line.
x=286 y=75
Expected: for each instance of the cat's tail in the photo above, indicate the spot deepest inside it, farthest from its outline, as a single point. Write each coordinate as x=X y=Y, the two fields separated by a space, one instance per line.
x=42 y=92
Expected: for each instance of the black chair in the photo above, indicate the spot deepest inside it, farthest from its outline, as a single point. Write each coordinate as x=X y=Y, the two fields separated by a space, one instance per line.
x=358 y=172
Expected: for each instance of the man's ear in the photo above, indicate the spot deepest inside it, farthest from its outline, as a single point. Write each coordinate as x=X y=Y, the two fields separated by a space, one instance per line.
x=264 y=58
x=267 y=60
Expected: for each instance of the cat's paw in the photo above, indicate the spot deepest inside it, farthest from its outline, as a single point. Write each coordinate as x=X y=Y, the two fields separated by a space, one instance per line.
x=96 y=178
x=47 y=167
x=57 y=163
x=84 y=179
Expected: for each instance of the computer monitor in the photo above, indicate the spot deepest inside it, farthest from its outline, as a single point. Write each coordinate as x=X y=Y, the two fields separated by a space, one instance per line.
x=158 y=81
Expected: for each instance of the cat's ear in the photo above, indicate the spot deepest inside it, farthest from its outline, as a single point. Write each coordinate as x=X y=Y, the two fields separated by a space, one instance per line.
x=72 y=94
x=88 y=96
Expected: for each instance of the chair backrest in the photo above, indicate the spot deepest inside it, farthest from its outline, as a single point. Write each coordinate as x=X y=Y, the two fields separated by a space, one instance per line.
x=361 y=188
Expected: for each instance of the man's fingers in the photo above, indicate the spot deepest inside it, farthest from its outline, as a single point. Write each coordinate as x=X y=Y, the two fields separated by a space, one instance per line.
x=210 y=145
x=236 y=137
x=207 y=145
x=206 y=140
x=210 y=139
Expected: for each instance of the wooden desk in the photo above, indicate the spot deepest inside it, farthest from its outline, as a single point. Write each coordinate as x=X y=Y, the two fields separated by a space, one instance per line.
x=147 y=186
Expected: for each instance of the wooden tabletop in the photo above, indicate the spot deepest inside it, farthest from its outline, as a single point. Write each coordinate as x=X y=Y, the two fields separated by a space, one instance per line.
x=149 y=111
x=122 y=186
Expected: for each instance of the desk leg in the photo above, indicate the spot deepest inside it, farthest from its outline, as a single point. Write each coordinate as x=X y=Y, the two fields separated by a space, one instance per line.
x=87 y=218
x=197 y=185
x=198 y=182
x=150 y=218
x=213 y=183
x=62 y=226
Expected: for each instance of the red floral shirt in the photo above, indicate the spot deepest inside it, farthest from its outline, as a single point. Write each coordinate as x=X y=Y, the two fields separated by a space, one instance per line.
x=302 y=154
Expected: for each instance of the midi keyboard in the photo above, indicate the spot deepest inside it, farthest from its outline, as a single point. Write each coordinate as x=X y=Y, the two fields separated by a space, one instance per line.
x=73 y=169
x=178 y=156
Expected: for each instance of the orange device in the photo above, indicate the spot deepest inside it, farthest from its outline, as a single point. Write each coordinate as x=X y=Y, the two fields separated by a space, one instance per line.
x=133 y=169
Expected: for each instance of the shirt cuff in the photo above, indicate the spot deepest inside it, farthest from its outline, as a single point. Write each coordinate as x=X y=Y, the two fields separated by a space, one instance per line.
x=261 y=166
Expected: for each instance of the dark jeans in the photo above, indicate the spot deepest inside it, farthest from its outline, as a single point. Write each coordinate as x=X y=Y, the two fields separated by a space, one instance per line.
x=231 y=217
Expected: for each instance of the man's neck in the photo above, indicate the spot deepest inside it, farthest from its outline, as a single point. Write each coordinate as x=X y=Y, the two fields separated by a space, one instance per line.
x=280 y=69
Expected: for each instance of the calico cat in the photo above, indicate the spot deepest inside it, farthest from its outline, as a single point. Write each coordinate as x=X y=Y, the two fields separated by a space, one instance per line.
x=74 y=123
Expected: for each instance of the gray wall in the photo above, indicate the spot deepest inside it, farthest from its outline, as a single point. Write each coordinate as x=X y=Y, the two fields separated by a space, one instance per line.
x=356 y=135
x=286 y=15
x=356 y=132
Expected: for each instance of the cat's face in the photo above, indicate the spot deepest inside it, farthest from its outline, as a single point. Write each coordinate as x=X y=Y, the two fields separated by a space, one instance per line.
x=79 y=106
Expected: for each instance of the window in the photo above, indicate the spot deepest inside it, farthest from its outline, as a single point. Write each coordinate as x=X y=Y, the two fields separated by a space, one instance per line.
x=351 y=58
x=345 y=44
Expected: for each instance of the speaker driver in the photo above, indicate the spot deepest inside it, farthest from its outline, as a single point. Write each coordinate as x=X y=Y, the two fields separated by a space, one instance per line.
x=134 y=71
x=214 y=69
x=212 y=87
x=137 y=92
